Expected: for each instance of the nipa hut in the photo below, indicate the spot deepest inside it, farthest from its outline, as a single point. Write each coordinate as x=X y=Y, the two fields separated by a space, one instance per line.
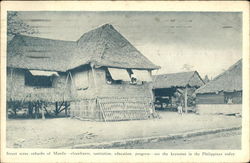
x=226 y=88
x=170 y=89
x=102 y=75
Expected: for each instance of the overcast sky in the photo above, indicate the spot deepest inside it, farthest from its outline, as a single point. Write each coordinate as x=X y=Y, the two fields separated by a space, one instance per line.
x=204 y=41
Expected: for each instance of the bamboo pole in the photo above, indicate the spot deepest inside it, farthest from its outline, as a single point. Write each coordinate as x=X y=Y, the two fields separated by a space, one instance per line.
x=95 y=84
x=186 y=107
x=152 y=95
x=42 y=110
x=66 y=82
x=73 y=83
x=102 y=112
x=94 y=77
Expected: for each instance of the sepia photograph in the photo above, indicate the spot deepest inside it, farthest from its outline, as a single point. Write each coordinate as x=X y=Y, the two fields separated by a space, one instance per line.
x=155 y=80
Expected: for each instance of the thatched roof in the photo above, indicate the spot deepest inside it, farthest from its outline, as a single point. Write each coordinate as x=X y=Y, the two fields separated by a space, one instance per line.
x=228 y=81
x=181 y=79
x=39 y=53
x=103 y=46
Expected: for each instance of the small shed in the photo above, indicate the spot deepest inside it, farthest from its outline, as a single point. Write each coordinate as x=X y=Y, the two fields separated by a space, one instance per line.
x=102 y=75
x=226 y=88
x=167 y=88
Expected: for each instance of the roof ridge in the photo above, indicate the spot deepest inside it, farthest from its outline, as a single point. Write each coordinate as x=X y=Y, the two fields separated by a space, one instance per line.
x=90 y=47
x=191 y=76
x=217 y=78
x=229 y=69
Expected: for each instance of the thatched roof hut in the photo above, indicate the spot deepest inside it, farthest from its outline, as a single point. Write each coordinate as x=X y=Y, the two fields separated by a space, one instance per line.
x=184 y=83
x=103 y=46
x=226 y=85
x=181 y=79
x=93 y=73
x=228 y=81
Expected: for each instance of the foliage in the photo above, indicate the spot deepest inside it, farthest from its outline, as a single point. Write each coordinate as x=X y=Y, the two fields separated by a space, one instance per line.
x=17 y=26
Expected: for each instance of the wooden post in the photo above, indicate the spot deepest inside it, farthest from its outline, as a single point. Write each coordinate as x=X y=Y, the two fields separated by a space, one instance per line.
x=186 y=107
x=94 y=77
x=36 y=110
x=152 y=95
x=66 y=82
x=30 y=108
x=42 y=110
x=56 y=108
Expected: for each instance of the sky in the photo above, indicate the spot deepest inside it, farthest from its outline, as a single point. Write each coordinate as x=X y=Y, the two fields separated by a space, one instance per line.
x=208 y=42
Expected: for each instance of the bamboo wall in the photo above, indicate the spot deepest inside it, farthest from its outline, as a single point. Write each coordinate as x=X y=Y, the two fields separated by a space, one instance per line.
x=100 y=101
x=113 y=101
x=18 y=91
x=213 y=98
x=102 y=89
x=210 y=98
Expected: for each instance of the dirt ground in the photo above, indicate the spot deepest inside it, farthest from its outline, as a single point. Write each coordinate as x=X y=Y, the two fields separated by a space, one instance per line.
x=66 y=132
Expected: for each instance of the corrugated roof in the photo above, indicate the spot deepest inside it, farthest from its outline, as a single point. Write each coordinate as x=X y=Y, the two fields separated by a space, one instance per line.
x=228 y=81
x=181 y=79
x=103 y=46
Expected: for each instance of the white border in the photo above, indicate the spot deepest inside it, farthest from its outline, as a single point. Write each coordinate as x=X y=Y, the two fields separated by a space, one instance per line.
x=219 y=6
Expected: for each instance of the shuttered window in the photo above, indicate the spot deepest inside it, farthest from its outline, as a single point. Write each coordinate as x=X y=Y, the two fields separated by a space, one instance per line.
x=37 y=78
x=119 y=74
x=142 y=75
x=43 y=73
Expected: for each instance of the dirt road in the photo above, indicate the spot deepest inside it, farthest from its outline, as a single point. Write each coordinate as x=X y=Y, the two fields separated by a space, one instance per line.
x=66 y=132
x=224 y=140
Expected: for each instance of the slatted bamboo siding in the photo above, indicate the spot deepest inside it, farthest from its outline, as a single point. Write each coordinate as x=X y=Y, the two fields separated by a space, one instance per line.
x=83 y=109
x=111 y=109
x=18 y=91
x=115 y=109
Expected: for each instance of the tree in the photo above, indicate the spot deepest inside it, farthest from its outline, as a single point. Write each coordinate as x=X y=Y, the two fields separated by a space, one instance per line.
x=17 y=26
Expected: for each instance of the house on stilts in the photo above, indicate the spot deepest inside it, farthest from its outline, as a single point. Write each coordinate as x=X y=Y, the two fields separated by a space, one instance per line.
x=102 y=76
x=223 y=94
x=174 y=88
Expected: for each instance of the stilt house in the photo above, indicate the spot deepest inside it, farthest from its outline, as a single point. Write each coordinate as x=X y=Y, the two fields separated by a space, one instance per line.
x=223 y=89
x=102 y=75
x=169 y=87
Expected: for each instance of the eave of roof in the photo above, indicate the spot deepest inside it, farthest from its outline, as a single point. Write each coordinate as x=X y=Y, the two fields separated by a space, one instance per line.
x=180 y=79
x=228 y=81
x=103 y=46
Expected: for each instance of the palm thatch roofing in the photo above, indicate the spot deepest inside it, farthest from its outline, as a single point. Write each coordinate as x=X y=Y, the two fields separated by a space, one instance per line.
x=181 y=79
x=103 y=46
x=228 y=81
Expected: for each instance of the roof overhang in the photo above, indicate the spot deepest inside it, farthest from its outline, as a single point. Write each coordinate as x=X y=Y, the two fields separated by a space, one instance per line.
x=43 y=73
